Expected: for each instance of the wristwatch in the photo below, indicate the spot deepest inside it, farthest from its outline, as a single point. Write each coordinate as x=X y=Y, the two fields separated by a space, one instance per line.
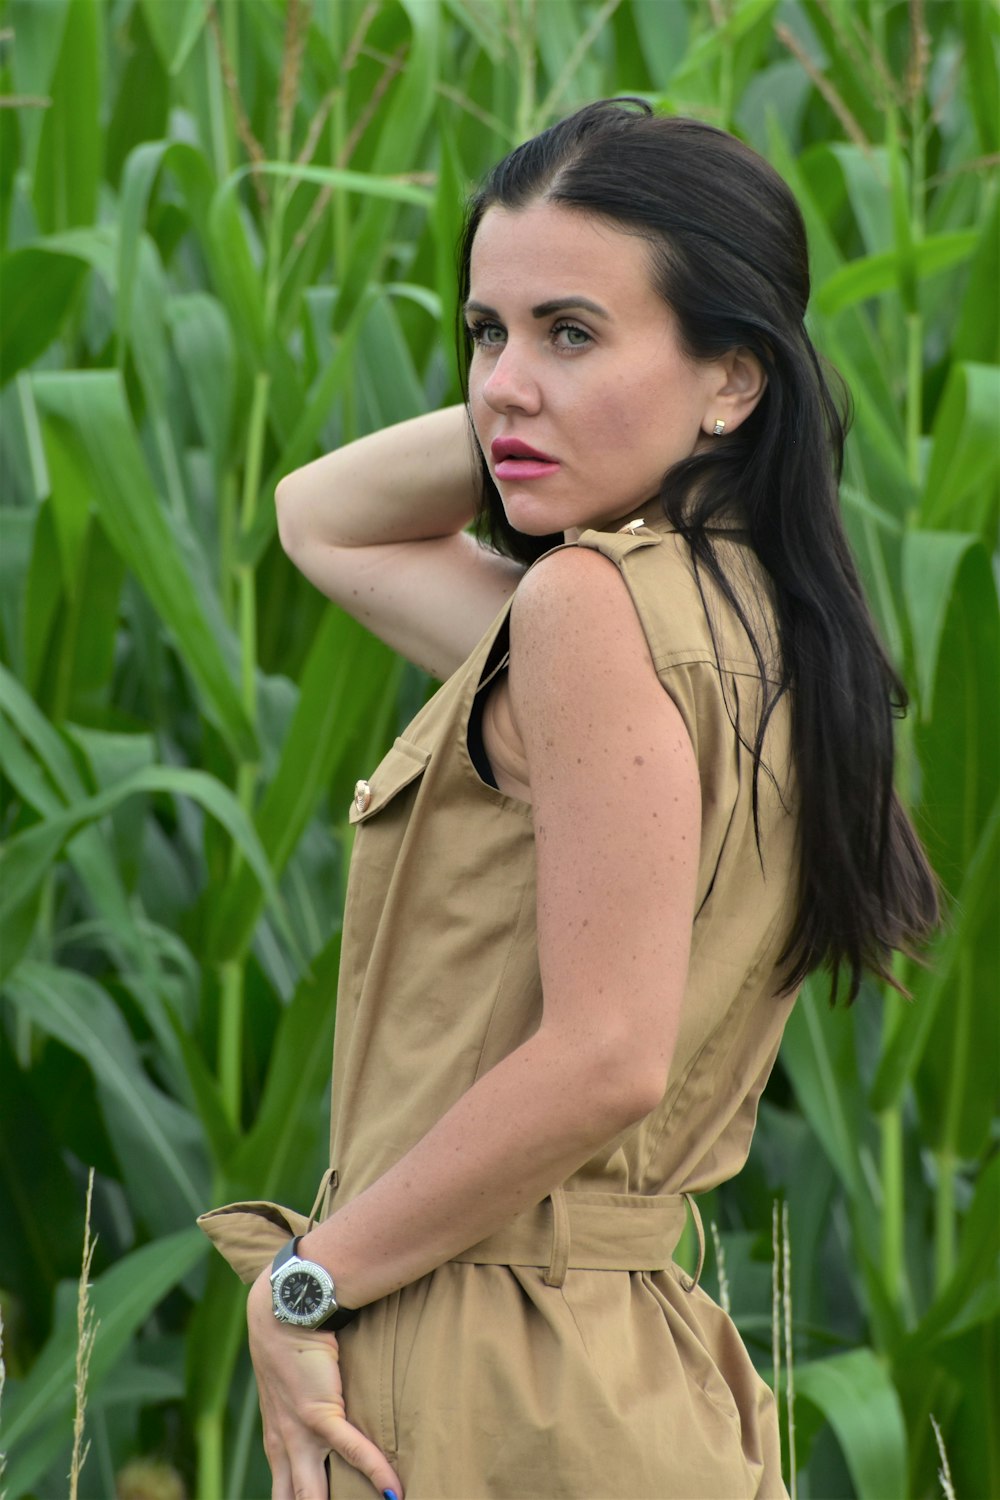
x=303 y=1293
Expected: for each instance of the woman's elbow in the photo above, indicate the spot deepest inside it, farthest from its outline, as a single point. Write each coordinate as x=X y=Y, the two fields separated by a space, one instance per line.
x=621 y=1083
x=288 y=513
x=637 y=1092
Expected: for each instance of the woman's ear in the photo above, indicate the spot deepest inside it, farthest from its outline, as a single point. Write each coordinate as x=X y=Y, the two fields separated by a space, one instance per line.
x=742 y=382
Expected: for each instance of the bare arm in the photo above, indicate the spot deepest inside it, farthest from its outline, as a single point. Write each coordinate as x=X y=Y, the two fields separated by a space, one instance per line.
x=378 y=526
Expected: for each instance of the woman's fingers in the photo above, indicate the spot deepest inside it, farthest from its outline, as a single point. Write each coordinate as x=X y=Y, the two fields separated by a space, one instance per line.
x=362 y=1454
x=307 y=1478
x=299 y=1472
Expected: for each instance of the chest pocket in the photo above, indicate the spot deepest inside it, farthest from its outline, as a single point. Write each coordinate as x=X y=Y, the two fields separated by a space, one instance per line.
x=401 y=766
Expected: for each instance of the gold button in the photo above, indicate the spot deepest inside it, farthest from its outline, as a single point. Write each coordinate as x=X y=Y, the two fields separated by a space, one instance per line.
x=362 y=795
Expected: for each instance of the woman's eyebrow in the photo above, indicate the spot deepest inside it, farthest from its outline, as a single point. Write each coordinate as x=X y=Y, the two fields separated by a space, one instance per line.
x=544 y=309
x=564 y=304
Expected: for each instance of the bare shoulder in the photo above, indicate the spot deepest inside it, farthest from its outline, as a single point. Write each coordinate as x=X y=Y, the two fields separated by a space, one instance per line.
x=573 y=610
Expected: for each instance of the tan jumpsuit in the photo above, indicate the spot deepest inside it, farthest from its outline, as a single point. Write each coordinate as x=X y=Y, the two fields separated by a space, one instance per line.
x=565 y=1355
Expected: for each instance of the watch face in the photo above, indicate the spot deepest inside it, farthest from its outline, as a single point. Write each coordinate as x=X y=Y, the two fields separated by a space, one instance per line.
x=303 y=1295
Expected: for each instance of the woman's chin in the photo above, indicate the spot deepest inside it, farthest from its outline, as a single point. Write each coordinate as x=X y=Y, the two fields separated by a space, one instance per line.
x=530 y=520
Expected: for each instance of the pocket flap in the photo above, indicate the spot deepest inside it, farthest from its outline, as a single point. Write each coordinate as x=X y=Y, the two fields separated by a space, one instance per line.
x=403 y=764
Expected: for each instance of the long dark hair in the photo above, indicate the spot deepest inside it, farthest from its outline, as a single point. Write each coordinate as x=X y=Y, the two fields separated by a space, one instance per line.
x=729 y=256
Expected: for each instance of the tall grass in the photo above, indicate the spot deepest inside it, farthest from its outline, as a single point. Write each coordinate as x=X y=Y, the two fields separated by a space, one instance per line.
x=86 y=1333
x=227 y=233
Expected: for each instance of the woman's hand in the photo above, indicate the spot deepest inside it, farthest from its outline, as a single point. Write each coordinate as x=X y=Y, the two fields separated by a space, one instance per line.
x=302 y=1404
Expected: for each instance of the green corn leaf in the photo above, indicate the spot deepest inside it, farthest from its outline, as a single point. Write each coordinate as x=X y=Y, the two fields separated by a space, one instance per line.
x=335 y=375
x=383 y=347
x=849 y=342
x=148 y=339
x=88 y=414
x=139 y=175
x=818 y=1055
x=174 y=28
x=445 y=222
x=957 y=732
x=269 y=1159
x=122 y=1299
x=663 y=37
x=406 y=116
x=51 y=749
x=963 y=478
x=39 y=288
x=956 y=747
x=977 y=336
x=484 y=25
x=68 y=168
x=140 y=106
x=931 y=561
x=865 y=177
x=204 y=346
x=906 y=1045
x=972 y=1295
x=25 y=774
x=393 y=189
x=90 y=855
x=159 y=1143
x=39 y=30
x=741 y=19
x=28 y=855
x=341 y=684
x=92 y=635
x=873 y=274
x=978 y=19
x=902 y=217
x=241 y=284
x=219 y=1134
x=855 y=1393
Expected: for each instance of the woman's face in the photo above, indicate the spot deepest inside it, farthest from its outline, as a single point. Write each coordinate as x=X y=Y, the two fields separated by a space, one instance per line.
x=576 y=360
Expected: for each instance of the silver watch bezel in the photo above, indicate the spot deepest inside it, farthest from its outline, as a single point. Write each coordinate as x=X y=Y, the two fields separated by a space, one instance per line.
x=292 y=1267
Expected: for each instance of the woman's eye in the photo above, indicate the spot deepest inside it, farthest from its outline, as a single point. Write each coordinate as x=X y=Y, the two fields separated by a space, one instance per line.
x=570 y=336
x=487 y=335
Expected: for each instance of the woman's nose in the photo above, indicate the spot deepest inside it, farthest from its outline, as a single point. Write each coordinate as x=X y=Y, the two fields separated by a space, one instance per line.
x=511 y=382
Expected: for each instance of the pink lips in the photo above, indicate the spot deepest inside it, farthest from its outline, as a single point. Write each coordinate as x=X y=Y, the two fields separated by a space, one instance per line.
x=513 y=459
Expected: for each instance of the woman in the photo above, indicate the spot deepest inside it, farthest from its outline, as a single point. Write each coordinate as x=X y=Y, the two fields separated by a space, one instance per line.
x=653 y=793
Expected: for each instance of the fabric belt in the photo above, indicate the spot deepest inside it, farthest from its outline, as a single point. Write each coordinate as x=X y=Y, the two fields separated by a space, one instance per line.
x=584 y=1231
x=578 y=1231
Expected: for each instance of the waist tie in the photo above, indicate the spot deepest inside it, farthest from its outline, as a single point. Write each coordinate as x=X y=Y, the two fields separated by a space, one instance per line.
x=584 y=1231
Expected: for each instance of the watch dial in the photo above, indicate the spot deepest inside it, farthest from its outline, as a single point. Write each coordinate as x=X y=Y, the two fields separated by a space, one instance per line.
x=301 y=1294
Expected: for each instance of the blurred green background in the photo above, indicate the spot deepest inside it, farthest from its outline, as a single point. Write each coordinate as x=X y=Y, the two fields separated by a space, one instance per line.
x=228 y=244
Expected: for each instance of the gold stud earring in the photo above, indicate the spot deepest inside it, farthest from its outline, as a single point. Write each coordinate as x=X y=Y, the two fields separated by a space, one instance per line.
x=719 y=427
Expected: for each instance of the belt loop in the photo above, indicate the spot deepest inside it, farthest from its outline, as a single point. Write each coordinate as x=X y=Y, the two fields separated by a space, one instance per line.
x=327 y=1182
x=690 y=1282
x=559 y=1258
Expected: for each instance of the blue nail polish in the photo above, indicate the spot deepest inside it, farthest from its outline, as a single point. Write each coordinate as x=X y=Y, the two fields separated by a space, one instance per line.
x=389 y=1495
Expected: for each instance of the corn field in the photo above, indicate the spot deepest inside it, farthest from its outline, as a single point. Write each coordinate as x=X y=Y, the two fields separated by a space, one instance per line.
x=228 y=232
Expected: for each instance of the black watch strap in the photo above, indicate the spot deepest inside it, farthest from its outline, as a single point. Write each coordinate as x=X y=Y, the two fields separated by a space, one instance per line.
x=285 y=1254
x=338 y=1319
